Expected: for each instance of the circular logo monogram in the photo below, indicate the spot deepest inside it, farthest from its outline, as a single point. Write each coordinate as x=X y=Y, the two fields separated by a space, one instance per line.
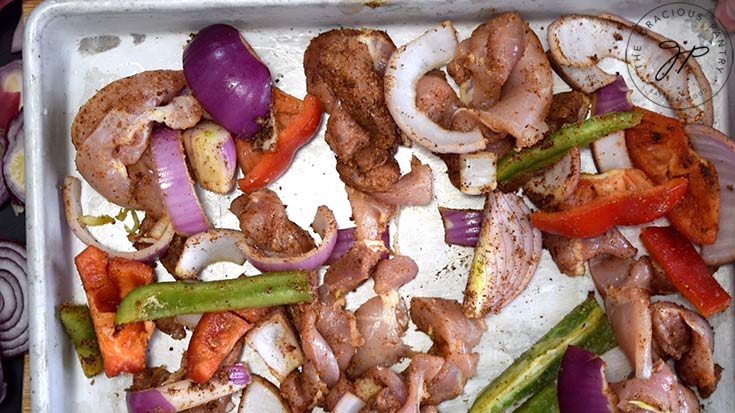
x=692 y=32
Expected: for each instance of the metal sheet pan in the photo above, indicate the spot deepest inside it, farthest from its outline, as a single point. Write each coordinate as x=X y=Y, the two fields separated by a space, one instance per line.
x=75 y=47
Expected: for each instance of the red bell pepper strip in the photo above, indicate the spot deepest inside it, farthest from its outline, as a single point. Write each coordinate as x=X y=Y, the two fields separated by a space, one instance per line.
x=685 y=269
x=123 y=347
x=273 y=164
x=626 y=208
x=214 y=337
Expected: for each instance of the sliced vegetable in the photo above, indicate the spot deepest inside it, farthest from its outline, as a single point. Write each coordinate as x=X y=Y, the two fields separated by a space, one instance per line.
x=73 y=207
x=228 y=79
x=185 y=394
x=167 y=299
x=685 y=269
x=78 y=325
x=214 y=337
x=13 y=162
x=174 y=182
x=544 y=401
x=274 y=339
x=461 y=226
x=582 y=384
x=719 y=149
x=477 y=172
x=610 y=152
x=585 y=326
x=554 y=146
x=407 y=65
x=273 y=164
x=105 y=282
x=345 y=239
x=324 y=224
x=659 y=147
x=349 y=403
x=506 y=255
x=208 y=247
x=13 y=299
x=211 y=154
x=624 y=208
x=262 y=396
x=11 y=88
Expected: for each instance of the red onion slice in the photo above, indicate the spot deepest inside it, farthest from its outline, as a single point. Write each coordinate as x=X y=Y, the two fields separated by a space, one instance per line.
x=719 y=149
x=73 y=208
x=461 y=226
x=349 y=403
x=211 y=153
x=13 y=300
x=210 y=246
x=611 y=152
x=582 y=387
x=175 y=184
x=228 y=79
x=324 y=224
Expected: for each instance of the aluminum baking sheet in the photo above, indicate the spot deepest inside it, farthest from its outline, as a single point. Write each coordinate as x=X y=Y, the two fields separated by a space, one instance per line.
x=73 y=48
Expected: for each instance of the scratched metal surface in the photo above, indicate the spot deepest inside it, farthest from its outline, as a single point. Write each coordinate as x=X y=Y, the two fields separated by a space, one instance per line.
x=76 y=47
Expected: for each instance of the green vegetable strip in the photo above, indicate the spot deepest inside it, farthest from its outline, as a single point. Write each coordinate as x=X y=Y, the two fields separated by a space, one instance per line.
x=586 y=326
x=545 y=401
x=78 y=325
x=159 y=300
x=553 y=147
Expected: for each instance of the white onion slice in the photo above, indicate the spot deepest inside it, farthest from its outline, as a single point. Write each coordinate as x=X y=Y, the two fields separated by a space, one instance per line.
x=406 y=66
x=207 y=247
x=349 y=403
x=275 y=341
x=73 y=208
x=477 y=172
x=261 y=396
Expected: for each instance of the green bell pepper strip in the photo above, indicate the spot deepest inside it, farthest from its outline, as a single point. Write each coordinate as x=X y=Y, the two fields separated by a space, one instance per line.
x=585 y=326
x=78 y=325
x=545 y=401
x=167 y=299
x=556 y=145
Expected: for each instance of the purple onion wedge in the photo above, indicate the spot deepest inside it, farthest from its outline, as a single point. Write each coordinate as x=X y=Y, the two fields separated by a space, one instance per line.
x=610 y=152
x=345 y=239
x=461 y=226
x=211 y=153
x=185 y=394
x=582 y=387
x=228 y=79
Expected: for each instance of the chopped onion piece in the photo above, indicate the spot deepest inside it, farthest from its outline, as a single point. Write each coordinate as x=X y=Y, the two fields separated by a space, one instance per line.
x=345 y=239
x=477 y=172
x=261 y=396
x=461 y=226
x=73 y=208
x=349 y=403
x=185 y=394
x=207 y=247
x=611 y=152
x=719 y=149
x=13 y=162
x=274 y=339
x=174 y=182
x=211 y=153
x=582 y=387
x=557 y=183
x=406 y=66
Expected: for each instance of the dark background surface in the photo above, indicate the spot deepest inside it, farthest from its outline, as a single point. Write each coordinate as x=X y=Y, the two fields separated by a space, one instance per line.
x=11 y=226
